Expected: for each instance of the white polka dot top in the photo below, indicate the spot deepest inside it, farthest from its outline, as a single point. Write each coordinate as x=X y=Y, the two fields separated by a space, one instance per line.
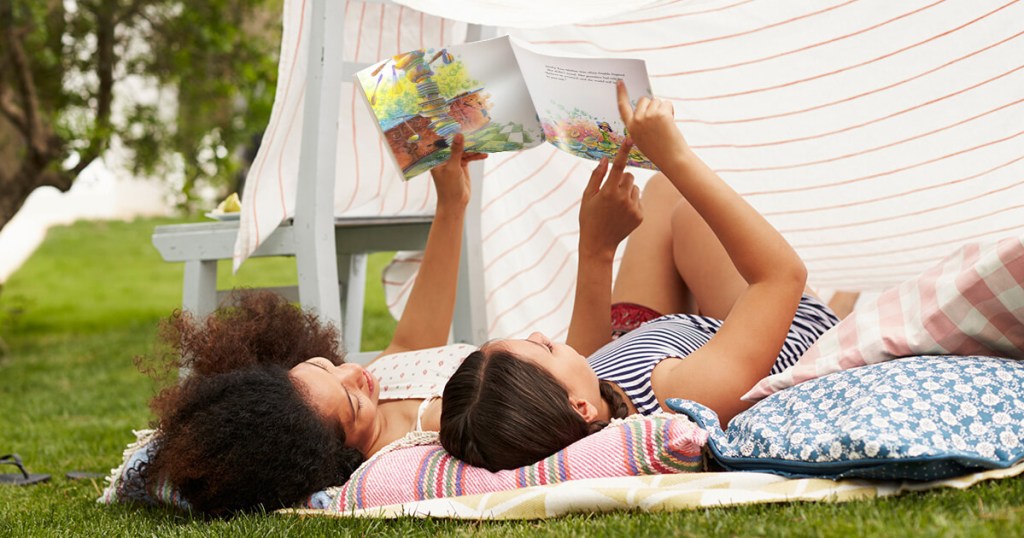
x=418 y=374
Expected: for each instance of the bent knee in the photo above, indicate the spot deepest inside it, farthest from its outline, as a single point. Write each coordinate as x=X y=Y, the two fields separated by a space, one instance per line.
x=684 y=214
x=659 y=188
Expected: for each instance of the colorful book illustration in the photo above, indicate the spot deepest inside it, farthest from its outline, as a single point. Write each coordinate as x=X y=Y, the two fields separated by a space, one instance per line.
x=503 y=97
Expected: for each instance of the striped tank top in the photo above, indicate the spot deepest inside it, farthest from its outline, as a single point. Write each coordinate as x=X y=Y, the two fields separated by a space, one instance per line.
x=629 y=360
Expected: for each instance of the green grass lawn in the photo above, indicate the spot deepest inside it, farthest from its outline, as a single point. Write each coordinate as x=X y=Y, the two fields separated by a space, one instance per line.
x=89 y=300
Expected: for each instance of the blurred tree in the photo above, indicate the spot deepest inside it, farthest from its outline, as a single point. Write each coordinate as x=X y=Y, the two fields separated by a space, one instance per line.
x=198 y=82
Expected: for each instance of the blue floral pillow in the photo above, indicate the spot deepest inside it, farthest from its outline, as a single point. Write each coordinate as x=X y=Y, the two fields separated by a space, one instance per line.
x=918 y=418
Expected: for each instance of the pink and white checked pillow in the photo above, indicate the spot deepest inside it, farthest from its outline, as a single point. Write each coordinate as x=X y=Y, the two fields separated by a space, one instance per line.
x=659 y=444
x=971 y=303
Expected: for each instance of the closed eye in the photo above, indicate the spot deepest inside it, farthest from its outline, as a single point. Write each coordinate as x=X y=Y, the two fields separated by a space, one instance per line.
x=546 y=345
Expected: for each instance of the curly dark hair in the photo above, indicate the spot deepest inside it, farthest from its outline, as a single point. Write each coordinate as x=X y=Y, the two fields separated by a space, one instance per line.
x=256 y=327
x=501 y=412
x=237 y=434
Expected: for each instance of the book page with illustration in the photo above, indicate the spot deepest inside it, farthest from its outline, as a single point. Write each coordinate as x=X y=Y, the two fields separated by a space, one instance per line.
x=575 y=101
x=422 y=98
x=502 y=97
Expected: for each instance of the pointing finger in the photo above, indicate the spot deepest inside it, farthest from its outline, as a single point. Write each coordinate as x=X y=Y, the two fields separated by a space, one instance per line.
x=626 y=182
x=596 y=176
x=458 y=143
x=625 y=109
x=620 y=159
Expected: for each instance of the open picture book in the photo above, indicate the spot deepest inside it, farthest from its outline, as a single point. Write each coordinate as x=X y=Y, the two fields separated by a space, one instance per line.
x=503 y=97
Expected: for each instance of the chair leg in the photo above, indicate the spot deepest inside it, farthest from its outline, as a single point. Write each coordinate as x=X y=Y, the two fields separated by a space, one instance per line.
x=199 y=295
x=352 y=289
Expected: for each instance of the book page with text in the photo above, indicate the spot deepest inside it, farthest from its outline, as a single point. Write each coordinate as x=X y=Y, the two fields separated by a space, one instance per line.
x=575 y=100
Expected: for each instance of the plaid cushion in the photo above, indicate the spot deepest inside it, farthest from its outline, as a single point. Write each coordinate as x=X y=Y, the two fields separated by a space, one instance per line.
x=971 y=303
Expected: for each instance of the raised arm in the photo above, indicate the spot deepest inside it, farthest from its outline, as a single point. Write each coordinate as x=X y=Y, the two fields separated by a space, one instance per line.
x=753 y=332
x=608 y=213
x=427 y=318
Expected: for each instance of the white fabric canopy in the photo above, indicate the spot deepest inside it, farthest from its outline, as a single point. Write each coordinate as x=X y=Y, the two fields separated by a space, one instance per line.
x=527 y=13
x=877 y=136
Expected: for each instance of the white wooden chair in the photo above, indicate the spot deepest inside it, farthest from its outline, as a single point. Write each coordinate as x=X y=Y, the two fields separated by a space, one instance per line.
x=330 y=253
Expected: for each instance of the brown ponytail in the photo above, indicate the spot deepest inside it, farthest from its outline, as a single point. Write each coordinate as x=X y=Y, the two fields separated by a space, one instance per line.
x=616 y=405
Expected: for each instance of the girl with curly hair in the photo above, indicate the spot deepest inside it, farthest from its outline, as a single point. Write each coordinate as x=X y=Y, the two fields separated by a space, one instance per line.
x=270 y=413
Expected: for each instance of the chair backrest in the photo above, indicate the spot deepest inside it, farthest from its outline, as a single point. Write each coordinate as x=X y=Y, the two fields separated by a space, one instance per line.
x=316 y=255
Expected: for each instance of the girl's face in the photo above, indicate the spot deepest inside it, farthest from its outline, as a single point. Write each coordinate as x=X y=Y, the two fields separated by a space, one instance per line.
x=563 y=362
x=345 y=395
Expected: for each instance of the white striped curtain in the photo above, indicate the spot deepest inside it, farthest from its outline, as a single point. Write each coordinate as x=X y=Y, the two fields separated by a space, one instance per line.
x=877 y=136
x=367 y=184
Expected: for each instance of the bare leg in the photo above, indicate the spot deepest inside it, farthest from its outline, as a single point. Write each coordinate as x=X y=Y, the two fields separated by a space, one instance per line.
x=703 y=263
x=647 y=275
x=842 y=302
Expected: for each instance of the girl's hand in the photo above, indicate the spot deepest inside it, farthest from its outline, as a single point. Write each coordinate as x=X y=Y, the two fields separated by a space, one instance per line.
x=609 y=212
x=451 y=179
x=651 y=126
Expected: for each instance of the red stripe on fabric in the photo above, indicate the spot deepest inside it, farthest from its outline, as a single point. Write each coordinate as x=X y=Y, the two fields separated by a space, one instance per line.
x=902 y=234
x=510 y=308
x=355 y=152
x=540 y=226
x=405 y=194
x=891 y=196
x=544 y=196
x=404 y=290
x=407 y=260
x=428 y=187
x=664 y=17
x=912 y=264
x=380 y=163
x=891 y=324
x=380 y=35
x=943 y=330
x=848 y=340
x=502 y=163
x=542 y=257
x=359 y=35
x=860 y=284
x=287 y=135
x=874 y=149
x=842 y=69
x=521 y=181
x=568 y=293
x=801 y=49
x=853 y=97
x=398 y=33
x=984 y=298
x=886 y=173
x=273 y=127
x=691 y=43
x=890 y=218
x=869 y=122
x=352 y=108
x=946 y=241
x=380 y=139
